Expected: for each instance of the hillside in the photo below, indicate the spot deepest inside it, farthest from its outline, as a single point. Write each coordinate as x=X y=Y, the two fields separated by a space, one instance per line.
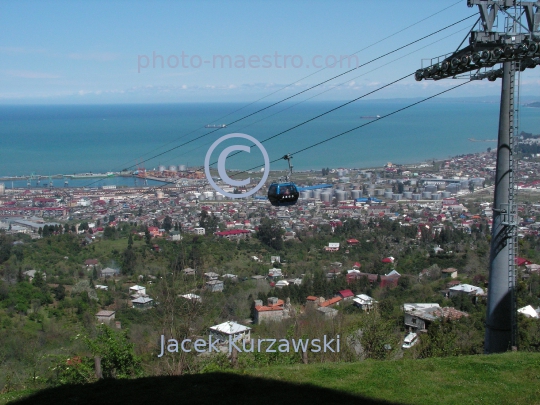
x=510 y=378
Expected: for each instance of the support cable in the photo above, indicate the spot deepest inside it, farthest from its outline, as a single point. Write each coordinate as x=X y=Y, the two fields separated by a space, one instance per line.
x=303 y=78
x=306 y=90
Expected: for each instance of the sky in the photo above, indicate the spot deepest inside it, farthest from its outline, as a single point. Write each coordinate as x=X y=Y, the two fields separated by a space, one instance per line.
x=101 y=52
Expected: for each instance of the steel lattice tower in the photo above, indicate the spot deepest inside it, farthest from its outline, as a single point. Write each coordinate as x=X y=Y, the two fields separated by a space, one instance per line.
x=516 y=48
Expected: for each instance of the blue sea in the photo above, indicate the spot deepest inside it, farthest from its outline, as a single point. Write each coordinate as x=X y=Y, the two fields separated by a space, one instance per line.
x=67 y=139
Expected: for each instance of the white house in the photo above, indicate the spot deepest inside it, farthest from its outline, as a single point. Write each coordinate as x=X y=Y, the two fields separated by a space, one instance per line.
x=191 y=297
x=275 y=273
x=230 y=329
x=364 y=302
x=199 y=231
x=529 y=312
x=332 y=247
x=275 y=259
x=465 y=289
x=137 y=291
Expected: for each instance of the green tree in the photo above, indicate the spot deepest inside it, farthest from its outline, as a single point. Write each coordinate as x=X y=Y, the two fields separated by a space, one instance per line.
x=129 y=260
x=59 y=292
x=109 y=232
x=379 y=340
x=118 y=359
x=167 y=223
x=147 y=236
x=208 y=222
x=270 y=233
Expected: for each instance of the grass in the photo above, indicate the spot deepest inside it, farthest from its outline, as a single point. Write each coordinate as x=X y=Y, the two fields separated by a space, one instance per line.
x=510 y=378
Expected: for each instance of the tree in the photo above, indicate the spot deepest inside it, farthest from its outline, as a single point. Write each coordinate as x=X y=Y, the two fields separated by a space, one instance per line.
x=118 y=359
x=167 y=223
x=147 y=236
x=208 y=222
x=130 y=241
x=129 y=259
x=66 y=228
x=109 y=233
x=379 y=340
x=270 y=233
x=59 y=292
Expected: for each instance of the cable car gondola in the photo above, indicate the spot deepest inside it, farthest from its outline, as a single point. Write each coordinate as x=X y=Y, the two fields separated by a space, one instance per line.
x=284 y=193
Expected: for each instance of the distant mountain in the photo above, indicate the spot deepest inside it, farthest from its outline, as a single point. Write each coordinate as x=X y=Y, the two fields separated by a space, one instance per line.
x=535 y=104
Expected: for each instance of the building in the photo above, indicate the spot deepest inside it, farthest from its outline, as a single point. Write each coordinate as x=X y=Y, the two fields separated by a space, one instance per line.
x=450 y=273
x=332 y=247
x=275 y=259
x=274 y=310
x=233 y=234
x=327 y=312
x=313 y=302
x=91 y=263
x=230 y=330
x=331 y=302
x=346 y=294
x=364 y=302
x=199 y=231
x=31 y=274
x=137 y=291
x=391 y=280
x=275 y=273
x=419 y=316
x=192 y=297
x=465 y=289
x=106 y=317
x=108 y=272
x=211 y=276
x=189 y=271
x=214 y=285
x=142 y=303
x=530 y=312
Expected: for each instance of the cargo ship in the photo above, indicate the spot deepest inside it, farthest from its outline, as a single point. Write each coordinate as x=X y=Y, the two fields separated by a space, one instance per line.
x=216 y=126
x=90 y=175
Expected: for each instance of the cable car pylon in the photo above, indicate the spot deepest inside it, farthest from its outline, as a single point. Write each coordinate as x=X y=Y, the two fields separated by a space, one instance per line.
x=516 y=51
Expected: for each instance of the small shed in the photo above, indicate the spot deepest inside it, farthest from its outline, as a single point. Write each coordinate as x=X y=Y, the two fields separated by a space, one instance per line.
x=214 y=285
x=450 y=272
x=106 y=317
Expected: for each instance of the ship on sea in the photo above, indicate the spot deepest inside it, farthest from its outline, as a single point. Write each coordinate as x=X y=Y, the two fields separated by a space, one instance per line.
x=216 y=126
x=369 y=117
x=90 y=175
